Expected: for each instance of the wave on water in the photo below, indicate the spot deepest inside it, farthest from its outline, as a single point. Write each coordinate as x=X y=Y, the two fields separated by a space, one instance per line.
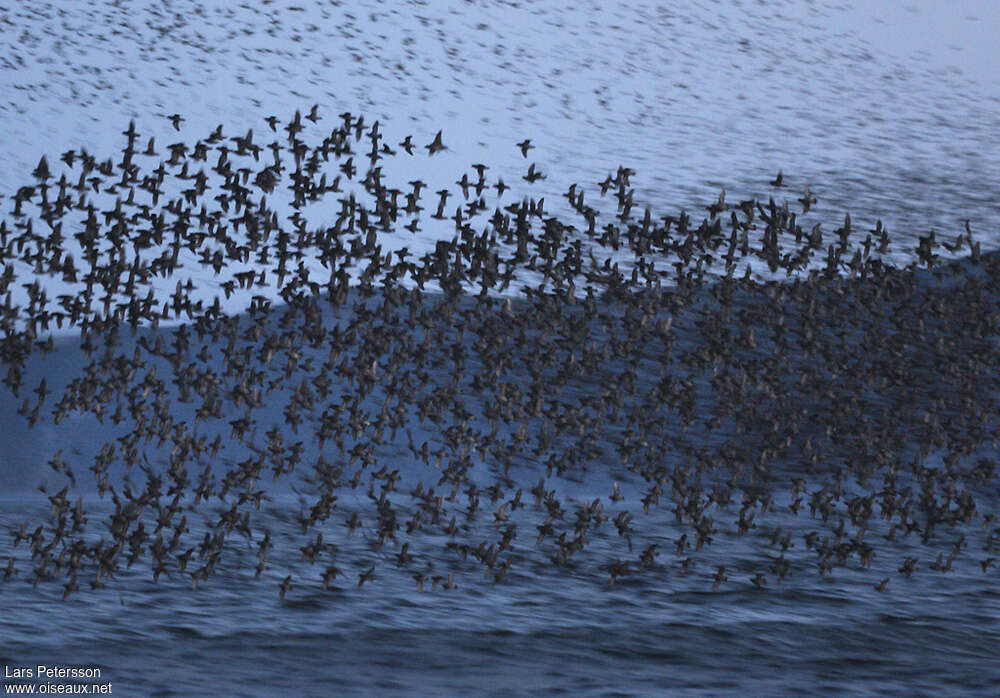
x=213 y=392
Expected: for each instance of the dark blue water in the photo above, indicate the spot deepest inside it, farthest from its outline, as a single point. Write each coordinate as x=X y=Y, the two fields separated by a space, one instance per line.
x=513 y=618
x=718 y=490
x=540 y=633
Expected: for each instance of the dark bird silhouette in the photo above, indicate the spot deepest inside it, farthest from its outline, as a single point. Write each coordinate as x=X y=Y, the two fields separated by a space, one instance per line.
x=435 y=146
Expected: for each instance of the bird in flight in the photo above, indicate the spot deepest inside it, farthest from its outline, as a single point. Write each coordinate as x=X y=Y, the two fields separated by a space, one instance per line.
x=436 y=145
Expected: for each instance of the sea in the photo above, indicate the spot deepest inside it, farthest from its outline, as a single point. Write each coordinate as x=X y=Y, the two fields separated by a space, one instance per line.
x=888 y=111
x=540 y=629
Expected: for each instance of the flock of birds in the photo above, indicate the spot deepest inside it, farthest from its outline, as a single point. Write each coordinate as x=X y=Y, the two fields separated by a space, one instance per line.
x=735 y=377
